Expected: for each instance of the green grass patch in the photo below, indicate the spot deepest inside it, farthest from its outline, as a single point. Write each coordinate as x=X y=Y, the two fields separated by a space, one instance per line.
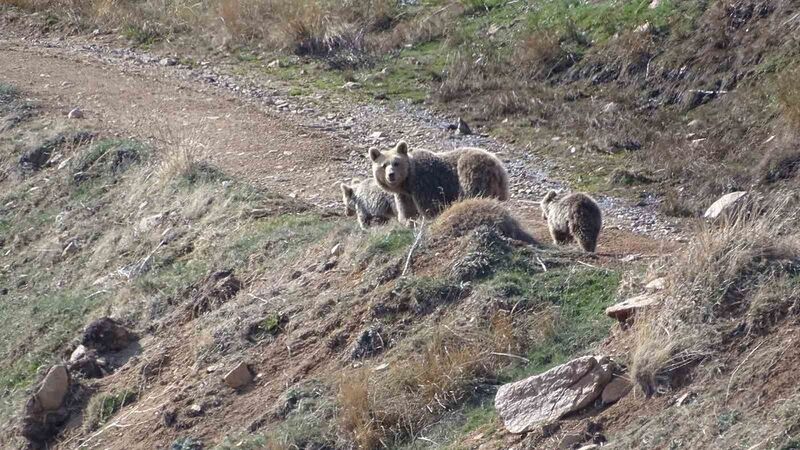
x=103 y=406
x=600 y=20
x=479 y=416
x=8 y=92
x=173 y=278
x=396 y=241
x=143 y=36
x=111 y=155
x=36 y=326
x=578 y=295
x=279 y=236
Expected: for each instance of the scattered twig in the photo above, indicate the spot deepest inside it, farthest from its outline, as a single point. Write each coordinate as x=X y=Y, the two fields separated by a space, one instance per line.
x=420 y=231
x=730 y=380
x=511 y=356
x=541 y=263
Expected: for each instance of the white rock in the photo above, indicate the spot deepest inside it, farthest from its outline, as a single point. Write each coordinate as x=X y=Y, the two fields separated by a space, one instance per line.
x=337 y=250
x=542 y=399
x=239 y=376
x=351 y=85
x=54 y=388
x=167 y=62
x=625 y=309
x=274 y=64
x=656 y=285
x=78 y=353
x=76 y=113
x=725 y=204
x=462 y=127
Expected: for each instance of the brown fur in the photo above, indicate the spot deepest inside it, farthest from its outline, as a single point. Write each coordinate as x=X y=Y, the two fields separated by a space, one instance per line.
x=573 y=217
x=466 y=215
x=425 y=183
x=368 y=202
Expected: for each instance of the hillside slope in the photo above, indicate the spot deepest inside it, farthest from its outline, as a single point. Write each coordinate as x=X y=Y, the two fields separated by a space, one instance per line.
x=196 y=203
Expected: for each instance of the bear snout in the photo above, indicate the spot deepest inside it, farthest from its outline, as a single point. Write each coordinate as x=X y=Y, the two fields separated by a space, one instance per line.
x=391 y=177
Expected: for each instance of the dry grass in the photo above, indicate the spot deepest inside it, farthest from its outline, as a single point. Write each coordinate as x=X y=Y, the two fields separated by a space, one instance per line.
x=394 y=405
x=788 y=93
x=739 y=265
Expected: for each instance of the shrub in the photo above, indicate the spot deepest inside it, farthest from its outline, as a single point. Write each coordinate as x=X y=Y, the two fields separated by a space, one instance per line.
x=728 y=271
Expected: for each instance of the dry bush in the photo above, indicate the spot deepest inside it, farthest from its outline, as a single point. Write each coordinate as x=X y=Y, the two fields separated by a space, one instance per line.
x=418 y=29
x=723 y=273
x=468 y=76
x=182 y=159
x=355 y=407
x=537 y=54
x=417 y=388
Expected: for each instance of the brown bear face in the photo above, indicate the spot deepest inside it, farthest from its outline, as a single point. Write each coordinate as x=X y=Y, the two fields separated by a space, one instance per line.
x=348 y=197
x=390 y=168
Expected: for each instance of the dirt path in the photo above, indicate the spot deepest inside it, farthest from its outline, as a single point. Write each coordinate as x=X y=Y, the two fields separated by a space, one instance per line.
x=293 y=146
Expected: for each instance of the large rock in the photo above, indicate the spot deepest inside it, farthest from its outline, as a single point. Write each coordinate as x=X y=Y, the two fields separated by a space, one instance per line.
x=623 y=310
x=239 y=376
x=542 y=399
x=726 y=204
x=54 y=388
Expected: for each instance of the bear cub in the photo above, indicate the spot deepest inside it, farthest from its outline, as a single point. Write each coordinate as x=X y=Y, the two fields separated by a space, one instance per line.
x=368 y=202
x=424 y=183
x=573 y=217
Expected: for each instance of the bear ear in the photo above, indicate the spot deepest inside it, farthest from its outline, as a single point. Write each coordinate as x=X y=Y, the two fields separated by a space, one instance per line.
x=402 y=148
x=347 y=190
x=374 y=154
x=549 y=197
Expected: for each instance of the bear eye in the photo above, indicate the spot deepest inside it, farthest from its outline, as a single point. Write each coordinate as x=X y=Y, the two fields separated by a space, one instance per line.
x=394 y=164
x=385 y=165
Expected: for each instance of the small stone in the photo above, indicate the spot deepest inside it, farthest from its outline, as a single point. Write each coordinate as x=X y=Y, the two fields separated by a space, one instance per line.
x=95 y=32
x=337 y=250
x=589 y=447
x=274 y=64
x=462 y=127
x=194 y=410
x=54 y=388
x=239 y=376
x=75 y=113
x=725 y=205
x=351 y=85
x=618 y=387
x=656 y=285
x=78 y=353
x=643 y=28
x=655 y=4
x=622 y=311
x=377 y=135
x=167 y=62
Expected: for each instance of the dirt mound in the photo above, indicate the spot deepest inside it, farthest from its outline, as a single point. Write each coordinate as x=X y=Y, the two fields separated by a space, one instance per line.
x=468 y=215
